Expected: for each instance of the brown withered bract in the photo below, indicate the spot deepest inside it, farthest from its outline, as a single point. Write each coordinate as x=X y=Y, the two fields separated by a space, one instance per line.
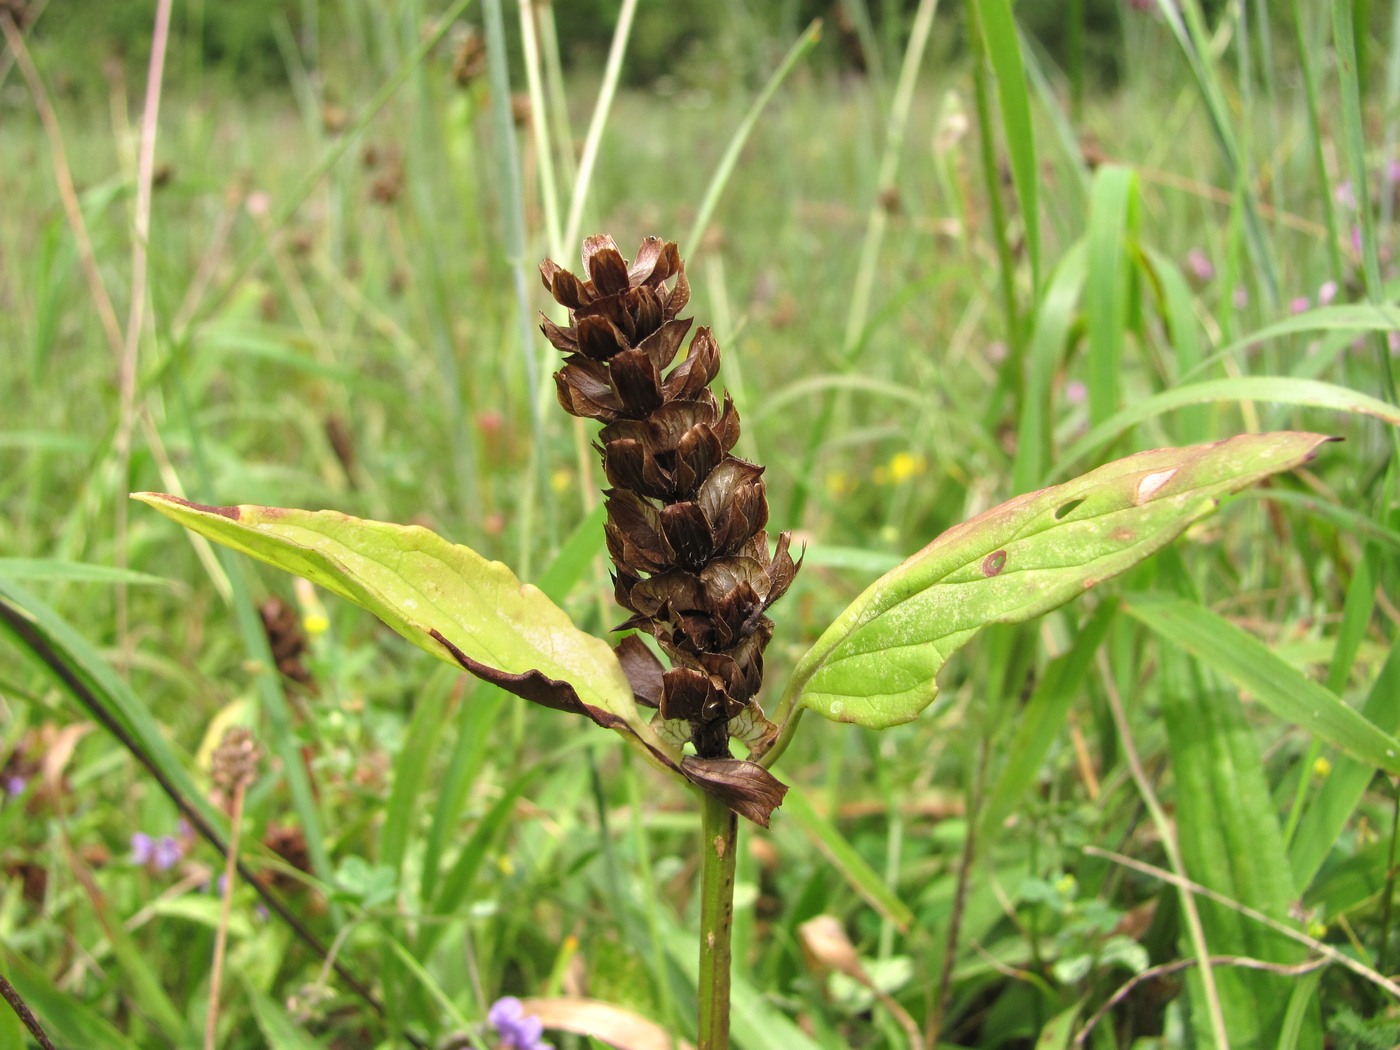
x=685 y=517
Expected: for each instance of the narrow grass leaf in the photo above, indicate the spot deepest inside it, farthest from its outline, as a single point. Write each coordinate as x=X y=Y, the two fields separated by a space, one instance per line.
x=574 y=557
x=1277 y=389
x=1054 y=317
x=859 y=875
x=119 y=709
x=1252 y=666
x=1354 y=318
x=458 y=882
x=1235 y=849
x=64 y=1017
x=1112 y=220
x=1041 y=718
x=56 y=569
x=755 y=1022
x=1327 y=815
x=720 y=178
x=276 y=1026
x=1178 y=308
x=1350 y=522
x=876 y=664
x=1013 y=98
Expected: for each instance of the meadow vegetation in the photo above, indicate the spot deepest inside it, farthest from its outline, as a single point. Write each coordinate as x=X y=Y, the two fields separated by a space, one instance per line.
x=972 y=268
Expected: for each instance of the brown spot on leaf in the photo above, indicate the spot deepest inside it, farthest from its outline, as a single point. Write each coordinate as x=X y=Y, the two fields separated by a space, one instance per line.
x=993 y=563
x=228 y=512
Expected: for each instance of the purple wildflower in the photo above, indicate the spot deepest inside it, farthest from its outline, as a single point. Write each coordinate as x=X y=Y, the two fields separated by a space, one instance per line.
x=15 y=784
x=1198 y=262
x=1327 y=293
x=162 y=853
x=1298 y=304
x=1076 y=392
x=142 y=847
x=166 y=853
x=1392 y=172
x=517 y=1030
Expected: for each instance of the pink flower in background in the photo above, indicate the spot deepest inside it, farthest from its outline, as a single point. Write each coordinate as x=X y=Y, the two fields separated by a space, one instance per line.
x=1076 y=392
x=1299 y=304
x=1345 y=195
x=1327 y=293
x=1241 y=297
x=1198 y=262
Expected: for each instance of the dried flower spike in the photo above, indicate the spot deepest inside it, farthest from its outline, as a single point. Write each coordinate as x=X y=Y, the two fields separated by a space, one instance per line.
x=685 y=517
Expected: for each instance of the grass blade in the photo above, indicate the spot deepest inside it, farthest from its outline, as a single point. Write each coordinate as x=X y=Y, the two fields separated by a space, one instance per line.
x=1278 y=389
x=1327 y=815
x=1249 y=663
x=1004 y=50
x=859 y=875
x=1113 y=206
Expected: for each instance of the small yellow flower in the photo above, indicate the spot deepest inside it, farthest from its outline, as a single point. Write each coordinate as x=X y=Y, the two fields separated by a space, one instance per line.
x=838 y=483
x=1066 y=886
x=904 y=465
x=1321 y=768
x=505 y=866
x=561 y=481
x=316 y=623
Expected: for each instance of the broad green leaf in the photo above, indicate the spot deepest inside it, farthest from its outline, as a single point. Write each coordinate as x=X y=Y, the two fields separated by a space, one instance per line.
x=1283 y=689
x=444 y=598
x=875 y=665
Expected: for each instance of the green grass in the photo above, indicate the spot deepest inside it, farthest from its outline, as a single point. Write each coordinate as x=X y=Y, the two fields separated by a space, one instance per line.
x=462 y=847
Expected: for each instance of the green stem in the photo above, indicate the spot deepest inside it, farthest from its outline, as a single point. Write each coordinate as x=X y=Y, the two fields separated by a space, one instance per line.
x=720 y=834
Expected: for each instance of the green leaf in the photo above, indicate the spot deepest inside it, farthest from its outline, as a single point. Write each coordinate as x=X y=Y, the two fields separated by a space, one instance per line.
x=73 y=572
x=859 y=875
x=1004 y=52
x=1278 y=389
x=444 y=598
x=1284 y=690
x=875 y=665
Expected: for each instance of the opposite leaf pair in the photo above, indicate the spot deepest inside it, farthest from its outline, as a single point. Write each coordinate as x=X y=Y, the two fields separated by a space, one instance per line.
x=692 y=562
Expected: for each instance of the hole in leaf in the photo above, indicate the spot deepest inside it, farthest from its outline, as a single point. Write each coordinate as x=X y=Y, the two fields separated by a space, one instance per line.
x=993 y=563
x=1066 y=509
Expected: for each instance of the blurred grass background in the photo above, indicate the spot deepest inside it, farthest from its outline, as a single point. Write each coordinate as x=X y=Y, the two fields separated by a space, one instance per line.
x=966 y=250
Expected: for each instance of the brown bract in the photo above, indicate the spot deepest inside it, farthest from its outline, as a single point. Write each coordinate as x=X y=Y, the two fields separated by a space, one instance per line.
x=685 y=524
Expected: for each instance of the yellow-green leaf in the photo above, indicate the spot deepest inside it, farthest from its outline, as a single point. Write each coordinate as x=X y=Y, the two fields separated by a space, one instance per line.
x=875 y=665
x=444 y=598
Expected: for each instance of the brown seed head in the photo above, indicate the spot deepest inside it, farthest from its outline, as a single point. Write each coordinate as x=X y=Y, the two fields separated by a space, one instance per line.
x=685 y=526
x=235 y=760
